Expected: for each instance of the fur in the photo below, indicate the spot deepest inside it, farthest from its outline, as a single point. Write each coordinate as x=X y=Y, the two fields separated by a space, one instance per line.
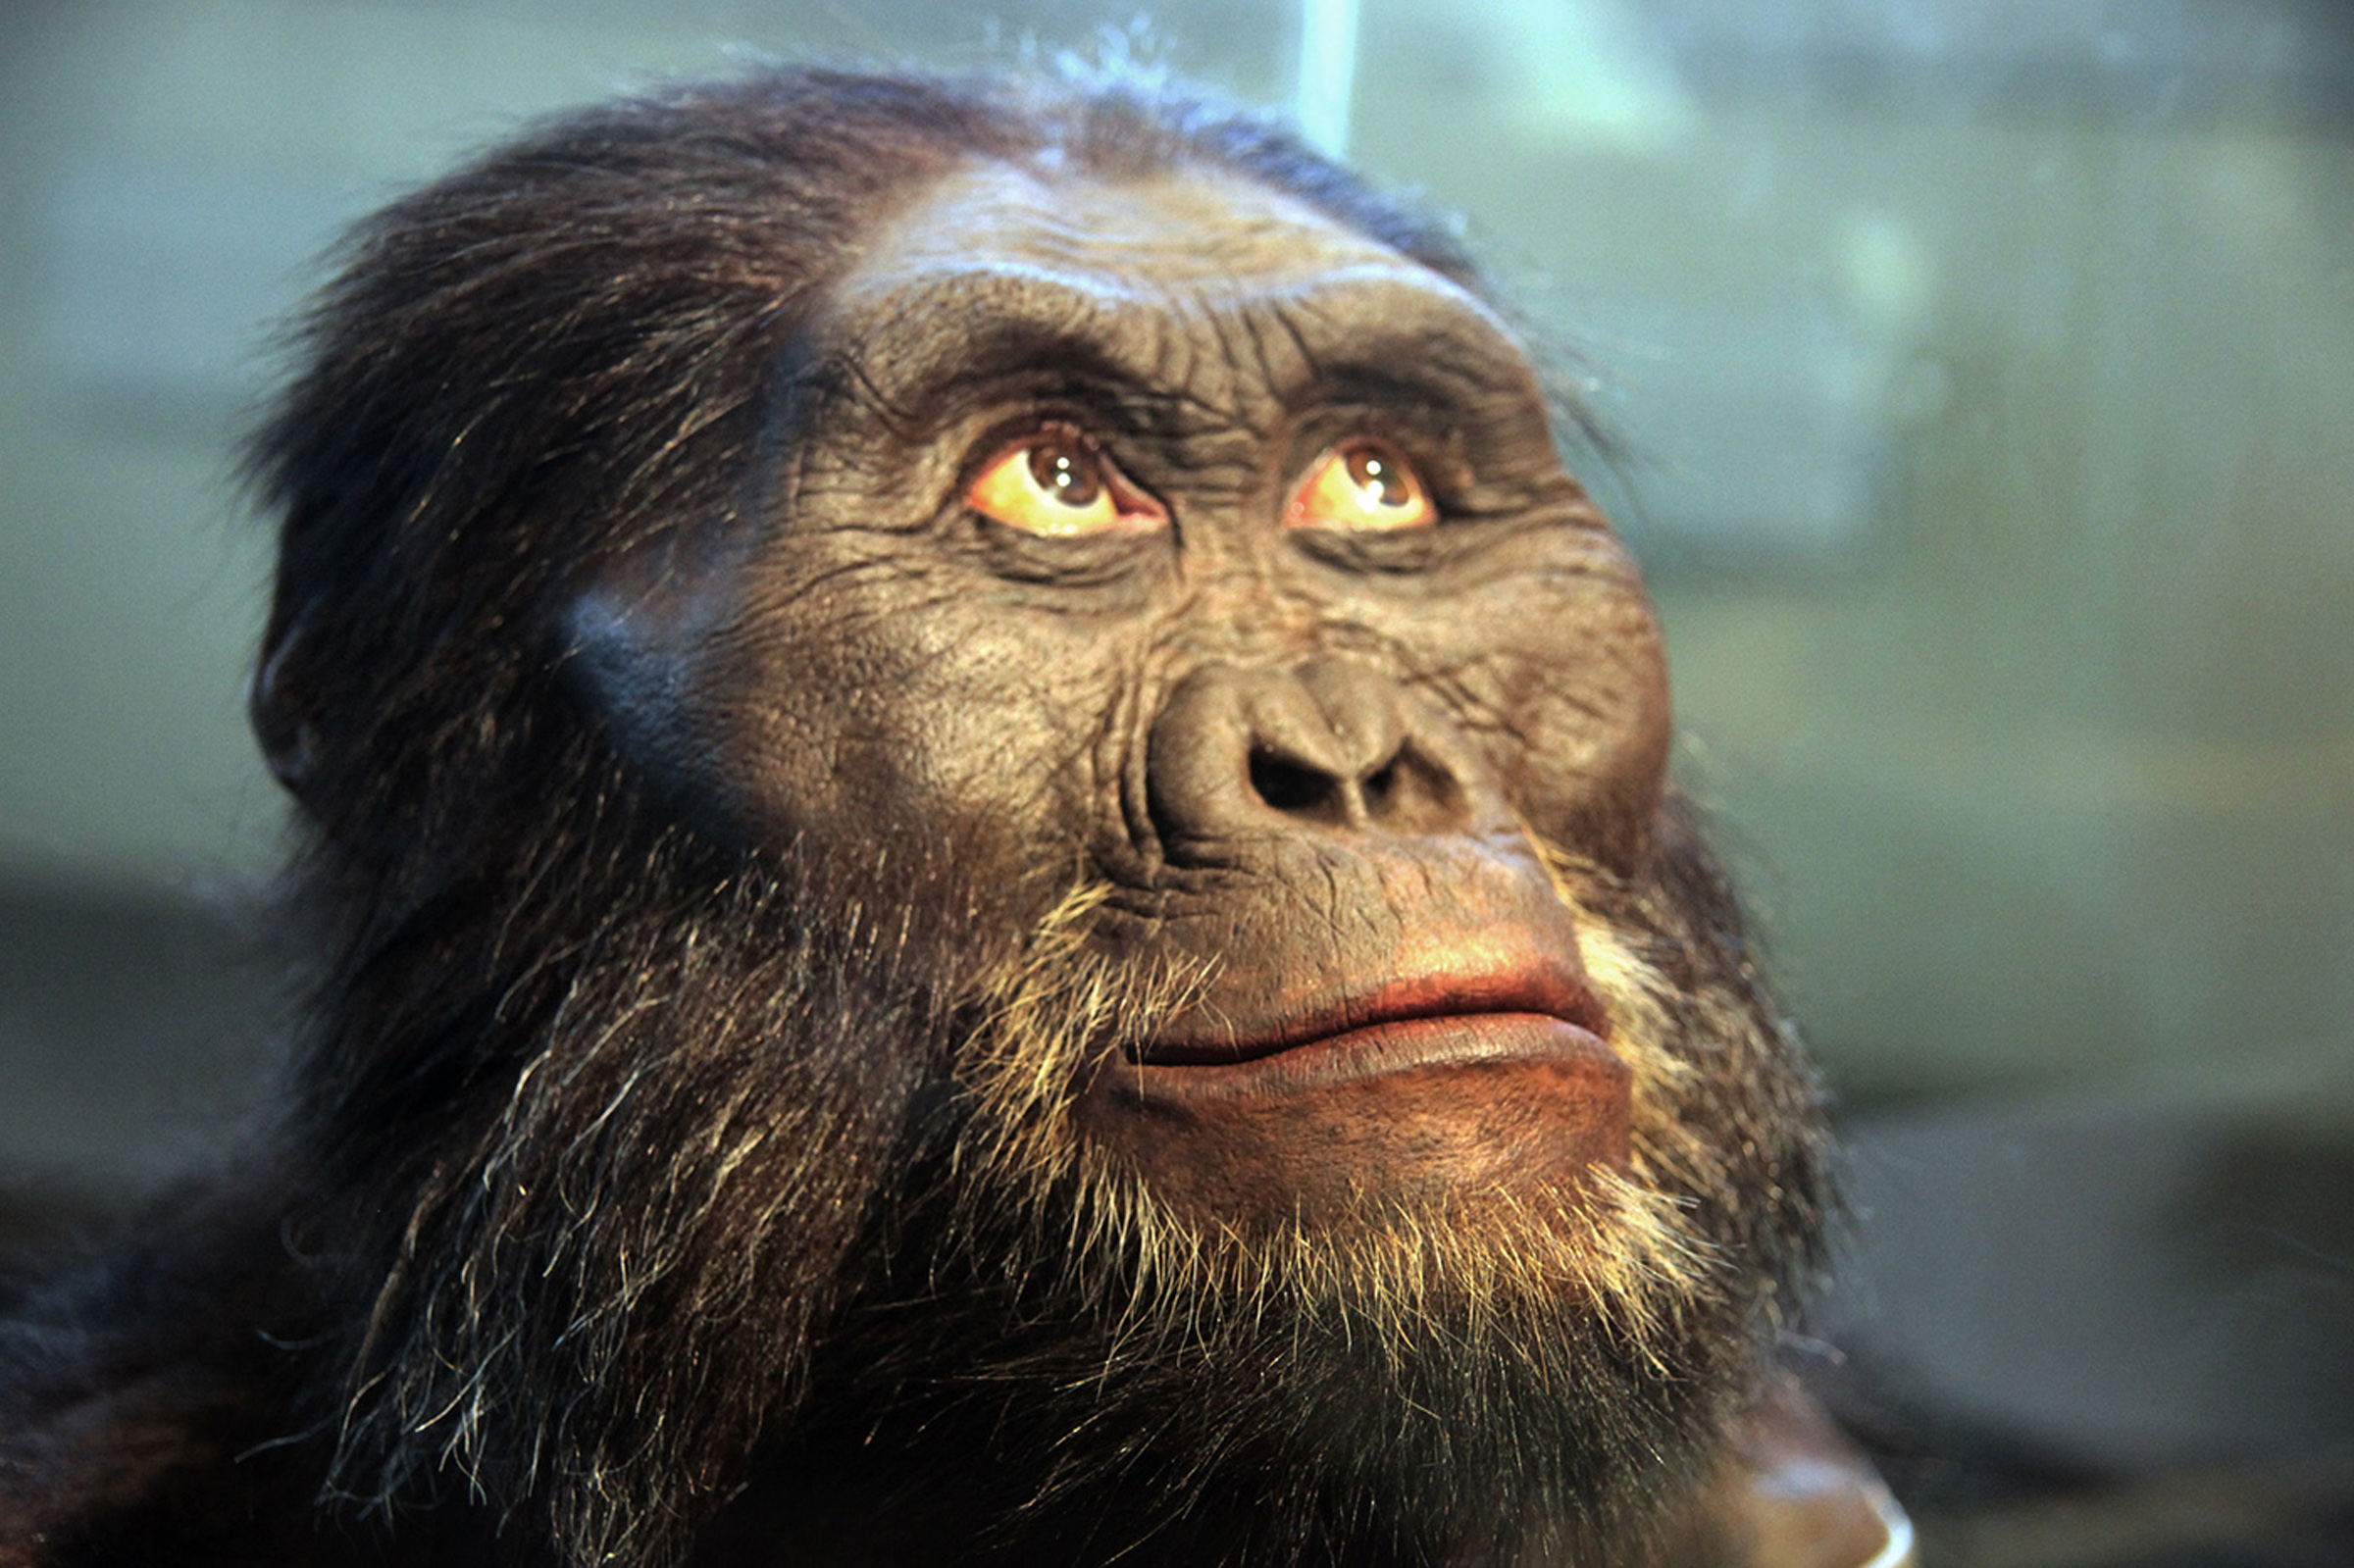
x=619 y=1165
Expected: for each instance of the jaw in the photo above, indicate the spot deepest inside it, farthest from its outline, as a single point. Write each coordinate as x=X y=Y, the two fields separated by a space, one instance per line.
x=1413 y=1262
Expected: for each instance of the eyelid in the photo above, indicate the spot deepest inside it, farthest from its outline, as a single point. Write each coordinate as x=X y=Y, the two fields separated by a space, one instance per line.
x=1332 y=496
x=1006 y=489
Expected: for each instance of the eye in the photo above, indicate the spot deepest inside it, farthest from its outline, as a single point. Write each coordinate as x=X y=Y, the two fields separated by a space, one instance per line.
x=1057 y=483
x=1361 y=485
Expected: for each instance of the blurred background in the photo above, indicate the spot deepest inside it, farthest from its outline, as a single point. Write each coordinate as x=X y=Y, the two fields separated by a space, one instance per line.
x=1982 y=380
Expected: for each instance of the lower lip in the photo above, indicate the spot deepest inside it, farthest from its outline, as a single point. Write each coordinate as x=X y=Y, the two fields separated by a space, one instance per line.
x=1464 y=1040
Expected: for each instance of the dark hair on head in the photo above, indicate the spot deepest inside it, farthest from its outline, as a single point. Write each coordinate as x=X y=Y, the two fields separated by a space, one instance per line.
x=569 y=346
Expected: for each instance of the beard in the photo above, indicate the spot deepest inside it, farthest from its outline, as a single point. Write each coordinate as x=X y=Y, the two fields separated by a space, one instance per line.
x=587 y=1277
x=1483 y=1377
x=777 y=1194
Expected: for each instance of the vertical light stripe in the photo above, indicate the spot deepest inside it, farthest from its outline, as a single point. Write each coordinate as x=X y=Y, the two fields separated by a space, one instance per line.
x=1328 y=73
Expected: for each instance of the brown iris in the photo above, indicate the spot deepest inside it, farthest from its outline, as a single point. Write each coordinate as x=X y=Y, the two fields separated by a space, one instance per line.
x=1361 y=485
x=1057 y=483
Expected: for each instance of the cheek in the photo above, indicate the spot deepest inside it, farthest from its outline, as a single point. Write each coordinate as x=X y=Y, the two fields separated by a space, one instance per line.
x=1578 y=720
x=927 y=743
x=1602 y=742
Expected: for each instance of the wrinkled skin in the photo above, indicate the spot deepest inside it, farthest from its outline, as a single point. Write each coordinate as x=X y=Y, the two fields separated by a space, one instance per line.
x=1094 y=705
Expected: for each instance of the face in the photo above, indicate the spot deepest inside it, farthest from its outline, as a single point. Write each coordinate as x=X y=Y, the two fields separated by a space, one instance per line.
x=1167 y=539
x=1181 y=963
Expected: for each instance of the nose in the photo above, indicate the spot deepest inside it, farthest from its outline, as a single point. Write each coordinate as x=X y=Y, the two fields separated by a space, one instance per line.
x=1333 y=745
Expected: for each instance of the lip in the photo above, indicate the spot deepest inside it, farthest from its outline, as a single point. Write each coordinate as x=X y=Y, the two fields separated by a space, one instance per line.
x=1454 y=1044
x=1488 y=1069
x=1545 y=992
x=1539 y=1017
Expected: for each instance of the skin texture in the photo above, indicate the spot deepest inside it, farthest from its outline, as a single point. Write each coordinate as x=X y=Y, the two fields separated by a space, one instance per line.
x=889 y=659
x=859 y=1013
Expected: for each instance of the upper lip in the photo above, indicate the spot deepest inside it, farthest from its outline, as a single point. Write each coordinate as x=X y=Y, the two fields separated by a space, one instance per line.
x=1549 y=989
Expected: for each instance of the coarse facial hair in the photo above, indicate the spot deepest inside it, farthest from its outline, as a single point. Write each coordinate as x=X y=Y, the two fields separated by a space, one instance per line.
x=608 y=1289
x=608 y=1285
x=1485 y=1376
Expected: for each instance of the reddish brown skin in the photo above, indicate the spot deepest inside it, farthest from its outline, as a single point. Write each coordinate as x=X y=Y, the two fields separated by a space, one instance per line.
x=1470 y=1058
x=1411 y=1112
x=915 y=684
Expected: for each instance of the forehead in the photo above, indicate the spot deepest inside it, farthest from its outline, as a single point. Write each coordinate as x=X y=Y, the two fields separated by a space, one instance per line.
x=1186 y=232
x=1191 y=276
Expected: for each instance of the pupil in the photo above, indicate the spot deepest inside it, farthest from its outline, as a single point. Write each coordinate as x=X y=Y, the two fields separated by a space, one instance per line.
x=1372 y=472
x=1064 y=472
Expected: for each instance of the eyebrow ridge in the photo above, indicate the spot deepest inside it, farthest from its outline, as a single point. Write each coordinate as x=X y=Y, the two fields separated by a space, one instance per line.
x=910 y=346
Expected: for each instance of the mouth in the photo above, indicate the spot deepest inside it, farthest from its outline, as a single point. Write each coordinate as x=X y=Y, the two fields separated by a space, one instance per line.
x=1489 y=1072
x=1532 y=1015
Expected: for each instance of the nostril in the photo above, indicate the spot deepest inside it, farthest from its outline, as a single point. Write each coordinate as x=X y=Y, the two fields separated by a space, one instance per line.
x=1411 y=793
x=1289 y=786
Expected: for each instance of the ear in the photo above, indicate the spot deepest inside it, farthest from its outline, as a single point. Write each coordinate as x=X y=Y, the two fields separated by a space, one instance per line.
x=281 y=701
